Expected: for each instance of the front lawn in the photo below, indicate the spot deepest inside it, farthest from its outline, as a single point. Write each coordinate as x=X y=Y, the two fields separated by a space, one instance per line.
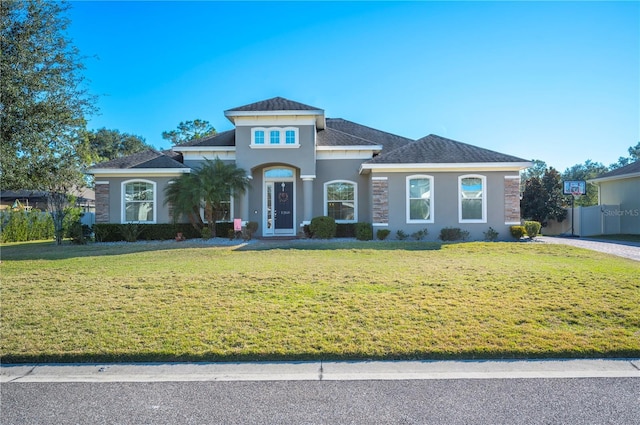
x=359 y=300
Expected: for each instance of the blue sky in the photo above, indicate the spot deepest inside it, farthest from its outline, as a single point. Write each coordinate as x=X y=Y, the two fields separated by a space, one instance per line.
x=556 y=81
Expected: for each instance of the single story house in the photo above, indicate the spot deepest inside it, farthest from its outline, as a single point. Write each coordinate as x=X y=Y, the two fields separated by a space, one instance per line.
x=621 y=187
x=302 y=164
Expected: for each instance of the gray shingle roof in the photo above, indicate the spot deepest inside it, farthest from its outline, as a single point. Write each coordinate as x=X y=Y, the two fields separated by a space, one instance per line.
x=226 y=138
x=387 y=140
x=434 y=149
x=275 y=104
x=633 y=168
x=145 y=159
x=332 y=137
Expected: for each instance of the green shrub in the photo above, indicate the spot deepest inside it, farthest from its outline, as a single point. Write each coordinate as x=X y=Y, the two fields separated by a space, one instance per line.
x=250 y=229
x=401 y=235
x=532 y=228
x=491 y=235
x=345 y=230
x=448 y=234
x=364 y=231
x=130 y=231
x=517 y=231
x=206 y=233
x=222 y=228
x=323 y=227
x=111 y=232
x=382 y=234
x=420 y=234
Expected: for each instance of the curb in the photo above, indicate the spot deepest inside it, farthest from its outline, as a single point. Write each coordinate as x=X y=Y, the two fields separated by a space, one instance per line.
x=320 y=371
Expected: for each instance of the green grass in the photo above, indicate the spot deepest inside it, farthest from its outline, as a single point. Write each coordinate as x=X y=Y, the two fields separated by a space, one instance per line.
x=322 y=300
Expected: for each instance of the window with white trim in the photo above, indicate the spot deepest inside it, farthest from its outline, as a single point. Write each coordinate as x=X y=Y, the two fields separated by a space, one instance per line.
x=258 y=137
x=139 y=201
x=223 y=213
x=275 y=137
x=472 y=200
x=290 y=137
x=419 y=199
x=341 y=201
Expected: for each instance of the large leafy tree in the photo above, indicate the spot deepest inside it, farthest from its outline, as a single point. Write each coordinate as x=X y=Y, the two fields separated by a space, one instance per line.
x=189 y=130
x=542 y=199
x=105 y=144
x=209 y=187
x=43 y=102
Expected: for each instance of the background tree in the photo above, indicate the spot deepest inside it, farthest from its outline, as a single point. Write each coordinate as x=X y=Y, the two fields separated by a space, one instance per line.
x=42 y=99
x=208 y=187
x=586 y=171
x=542 y=199
x=189 y=130
x=106 y=145
x=43 y=104
x=634 y=155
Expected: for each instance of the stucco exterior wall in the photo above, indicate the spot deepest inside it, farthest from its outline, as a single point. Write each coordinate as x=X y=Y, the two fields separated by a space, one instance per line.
x=626 y=193
x=445 y=193
x=113 y=211
x=302 y=157
x=342 y=169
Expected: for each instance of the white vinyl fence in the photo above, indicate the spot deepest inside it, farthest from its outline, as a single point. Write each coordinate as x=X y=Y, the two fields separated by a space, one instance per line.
x=587 y=221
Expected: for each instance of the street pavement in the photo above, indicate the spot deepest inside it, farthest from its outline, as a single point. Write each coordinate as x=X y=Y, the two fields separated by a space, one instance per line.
x=624 y=249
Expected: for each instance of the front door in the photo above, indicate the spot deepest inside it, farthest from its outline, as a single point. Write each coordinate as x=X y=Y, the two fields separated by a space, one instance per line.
x=279 y=203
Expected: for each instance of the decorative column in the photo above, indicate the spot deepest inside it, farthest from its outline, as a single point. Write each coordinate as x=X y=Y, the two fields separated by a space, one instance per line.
x=511 y=200
x=102 y=201
x=380 y=192
x=244 y=205
x=307 y=194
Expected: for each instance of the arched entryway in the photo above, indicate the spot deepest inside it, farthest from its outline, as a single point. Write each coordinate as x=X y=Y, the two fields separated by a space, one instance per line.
x=279 y=204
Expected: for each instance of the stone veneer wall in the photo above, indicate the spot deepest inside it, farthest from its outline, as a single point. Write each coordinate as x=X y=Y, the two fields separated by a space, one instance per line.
x=512 y=200
x=380 y=201
x=102 y=203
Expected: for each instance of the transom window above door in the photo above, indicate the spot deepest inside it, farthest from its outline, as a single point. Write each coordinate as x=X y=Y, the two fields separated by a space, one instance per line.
x=275 y=137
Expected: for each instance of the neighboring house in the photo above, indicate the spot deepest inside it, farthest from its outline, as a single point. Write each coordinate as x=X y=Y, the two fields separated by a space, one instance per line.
x=34 y=199
x=621 y=188
x=302 y=165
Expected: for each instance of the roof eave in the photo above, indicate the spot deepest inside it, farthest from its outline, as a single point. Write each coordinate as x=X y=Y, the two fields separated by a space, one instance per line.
x=142 y=171
x=446 y=166
x=620 y=177
x=318 y=113
x=374 y=148
x=204 y=148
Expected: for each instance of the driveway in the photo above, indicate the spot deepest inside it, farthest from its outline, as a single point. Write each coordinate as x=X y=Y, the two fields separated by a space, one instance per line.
x=620 y=248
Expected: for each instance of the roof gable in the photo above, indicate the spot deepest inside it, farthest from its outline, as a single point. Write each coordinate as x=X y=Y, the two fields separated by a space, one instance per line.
x=274 y=104
x=434 y=149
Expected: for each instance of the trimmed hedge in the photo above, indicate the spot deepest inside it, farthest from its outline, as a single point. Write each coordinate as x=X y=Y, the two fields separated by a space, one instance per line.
x=364 y=231
x=323 y=227
x=113 y=232
x=517 y=231
x=21 y=226
x=532 y=228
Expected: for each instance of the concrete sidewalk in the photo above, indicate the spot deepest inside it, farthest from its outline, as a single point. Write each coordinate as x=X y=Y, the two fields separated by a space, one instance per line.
x=624 y=249
x=321 y=371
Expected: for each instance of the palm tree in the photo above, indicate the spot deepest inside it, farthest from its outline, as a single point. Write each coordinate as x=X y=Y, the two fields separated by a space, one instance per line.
x=219 y=181
x=184 y=195
x=209 y=186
